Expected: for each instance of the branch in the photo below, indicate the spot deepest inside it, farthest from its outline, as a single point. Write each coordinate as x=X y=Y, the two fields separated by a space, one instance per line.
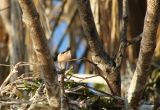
x=123 y=34
x=47 y=68
x=148 y=44
x=89 y=27
x=99 y=56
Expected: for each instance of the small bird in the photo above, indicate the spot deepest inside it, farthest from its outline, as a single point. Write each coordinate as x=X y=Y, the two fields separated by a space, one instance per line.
x=63 y=57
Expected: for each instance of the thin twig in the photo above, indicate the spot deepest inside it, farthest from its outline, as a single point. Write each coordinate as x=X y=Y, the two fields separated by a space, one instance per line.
x=135 y=40
x=5 y=103
x=73 y=90
x=3 y=9
x=84 y=77
x=5 y=65
x=99 y=91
